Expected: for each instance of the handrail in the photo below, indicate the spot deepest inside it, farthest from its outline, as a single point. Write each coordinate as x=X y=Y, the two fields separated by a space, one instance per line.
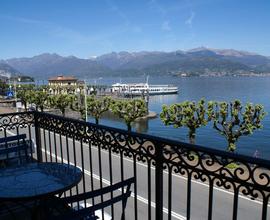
x=250 y=177
x=165 y=141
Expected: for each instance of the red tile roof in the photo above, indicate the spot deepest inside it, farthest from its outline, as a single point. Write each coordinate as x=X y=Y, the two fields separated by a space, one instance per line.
x=63 y=78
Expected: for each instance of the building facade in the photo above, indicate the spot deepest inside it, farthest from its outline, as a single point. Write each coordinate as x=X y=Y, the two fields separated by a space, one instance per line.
x=64 y=84
x=63 y=81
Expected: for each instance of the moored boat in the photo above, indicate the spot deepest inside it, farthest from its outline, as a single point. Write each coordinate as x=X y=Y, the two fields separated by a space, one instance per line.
x=138 y=89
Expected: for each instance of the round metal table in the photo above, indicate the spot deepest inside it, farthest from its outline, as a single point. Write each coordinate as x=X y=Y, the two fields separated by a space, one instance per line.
x=37 y=180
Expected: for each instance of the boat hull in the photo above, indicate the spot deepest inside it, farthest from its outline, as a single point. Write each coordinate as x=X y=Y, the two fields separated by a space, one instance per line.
x=150 y=93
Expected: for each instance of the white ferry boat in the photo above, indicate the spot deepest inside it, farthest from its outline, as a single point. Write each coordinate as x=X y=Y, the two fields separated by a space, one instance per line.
x=138 y=89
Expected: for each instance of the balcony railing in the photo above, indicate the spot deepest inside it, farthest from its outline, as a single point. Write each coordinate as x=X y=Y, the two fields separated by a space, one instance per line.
x=174 y=180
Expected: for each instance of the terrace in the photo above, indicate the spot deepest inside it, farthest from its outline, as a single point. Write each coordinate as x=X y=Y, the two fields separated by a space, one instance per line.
x=173 y=180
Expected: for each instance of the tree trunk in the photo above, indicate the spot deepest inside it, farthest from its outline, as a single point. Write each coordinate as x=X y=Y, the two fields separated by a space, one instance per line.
x=97 y=121
x=231 y=146
x=63 y=112
x=191 y=136
x=128 y=126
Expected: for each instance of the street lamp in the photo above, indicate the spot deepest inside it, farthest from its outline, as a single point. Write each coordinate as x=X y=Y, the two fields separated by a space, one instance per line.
x=85 y=101
x=78 y=92
x=15 y=90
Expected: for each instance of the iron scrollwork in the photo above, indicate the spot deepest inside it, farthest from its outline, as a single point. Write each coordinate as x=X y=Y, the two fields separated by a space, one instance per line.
x=248 y=176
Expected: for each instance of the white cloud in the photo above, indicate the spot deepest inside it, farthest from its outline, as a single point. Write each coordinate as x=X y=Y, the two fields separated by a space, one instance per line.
x=166 y=26
x=23 y=20
x=190 y=19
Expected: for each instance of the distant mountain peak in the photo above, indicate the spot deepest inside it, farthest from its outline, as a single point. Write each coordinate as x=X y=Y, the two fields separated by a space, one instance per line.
x=92 y=57
x=45 y=55
x=223 y=52
x=200 y=60
x=233 y=52
x=197 y=49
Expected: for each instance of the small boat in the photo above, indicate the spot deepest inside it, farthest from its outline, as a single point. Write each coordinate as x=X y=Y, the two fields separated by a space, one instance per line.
x=138 y=89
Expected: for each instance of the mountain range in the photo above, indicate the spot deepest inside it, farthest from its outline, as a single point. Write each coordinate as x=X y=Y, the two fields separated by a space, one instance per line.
x=198 y=61
x=6 y=70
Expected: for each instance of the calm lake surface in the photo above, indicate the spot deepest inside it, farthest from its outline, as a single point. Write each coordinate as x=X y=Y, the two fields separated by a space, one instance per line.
x=247 y=89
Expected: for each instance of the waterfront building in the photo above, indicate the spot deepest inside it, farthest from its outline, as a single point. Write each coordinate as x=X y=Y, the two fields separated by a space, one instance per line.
x=64 y=84
x=63 y=81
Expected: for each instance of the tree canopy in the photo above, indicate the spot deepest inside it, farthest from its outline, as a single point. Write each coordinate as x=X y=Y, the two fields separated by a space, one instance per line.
x=61 y=102
x=129 y=110
x=96 y=107
x=232 y=120
x=185 y=114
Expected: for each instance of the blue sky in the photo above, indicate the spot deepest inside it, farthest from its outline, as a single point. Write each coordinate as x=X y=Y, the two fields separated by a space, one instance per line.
x=86 y=28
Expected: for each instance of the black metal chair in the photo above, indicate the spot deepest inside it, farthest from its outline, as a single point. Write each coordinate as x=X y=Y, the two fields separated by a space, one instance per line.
x=15 y=150
x=89 y=212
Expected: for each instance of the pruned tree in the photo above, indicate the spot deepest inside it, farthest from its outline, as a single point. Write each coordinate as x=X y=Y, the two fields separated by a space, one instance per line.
x=78 y=106
x=61 y=102
x=97 y=106
x=129 y=110
x=186 y=114
x=232 y=121
x=23 y=96
x=40 y=99
x=26 y=94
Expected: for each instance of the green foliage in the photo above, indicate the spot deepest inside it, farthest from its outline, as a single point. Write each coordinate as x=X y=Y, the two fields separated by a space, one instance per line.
x=26 y=97
x=96 y=107
x=129 y=110
x=44 y=88
x=40 y=99
x=185 y=114
x=25 y=87
x=61 y=102
x=232 y=122
x=22 y=95
x=77 y=105
x=232 y=166
x=3 y=85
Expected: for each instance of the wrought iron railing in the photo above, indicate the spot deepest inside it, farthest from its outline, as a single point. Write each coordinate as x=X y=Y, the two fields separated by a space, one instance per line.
x=173 y=180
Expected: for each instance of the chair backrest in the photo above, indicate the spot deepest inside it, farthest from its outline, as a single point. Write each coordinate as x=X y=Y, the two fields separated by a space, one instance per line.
x=14 y=147
x=123 y=186
x=13 y=138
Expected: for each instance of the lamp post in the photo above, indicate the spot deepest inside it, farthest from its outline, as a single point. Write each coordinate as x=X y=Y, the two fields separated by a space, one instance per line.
x=85 y=100
x=15 y=91
x=78 y=92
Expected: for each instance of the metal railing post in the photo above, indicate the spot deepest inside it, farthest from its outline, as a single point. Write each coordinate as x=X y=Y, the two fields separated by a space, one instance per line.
x=38 y=137
x=159 y=182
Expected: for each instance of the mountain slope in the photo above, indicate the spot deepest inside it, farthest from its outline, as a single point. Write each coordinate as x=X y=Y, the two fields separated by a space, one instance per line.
x=249 y=61
x=6 y=70
x=53 y=64
x=198 y=61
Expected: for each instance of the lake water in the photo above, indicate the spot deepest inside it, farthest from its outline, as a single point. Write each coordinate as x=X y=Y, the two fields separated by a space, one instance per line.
x=247 y=89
